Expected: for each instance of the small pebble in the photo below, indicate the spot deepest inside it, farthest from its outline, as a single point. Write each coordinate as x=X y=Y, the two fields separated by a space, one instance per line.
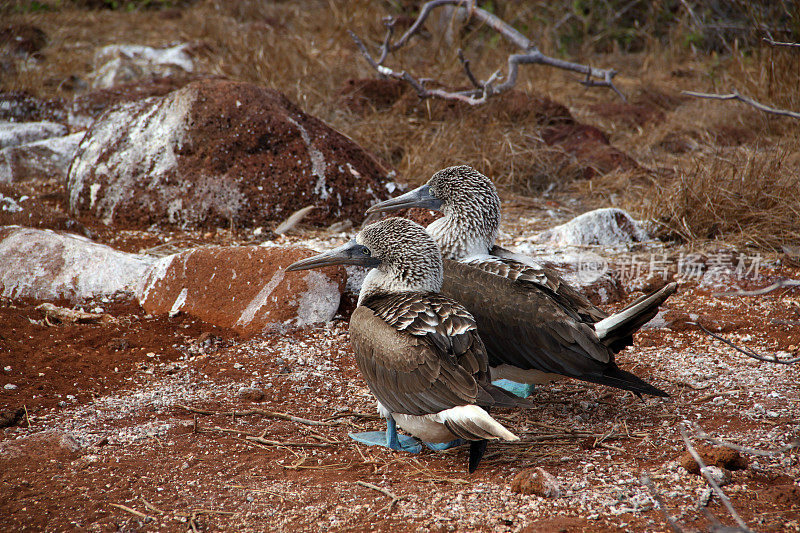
x=9 y=386
x=7 y=368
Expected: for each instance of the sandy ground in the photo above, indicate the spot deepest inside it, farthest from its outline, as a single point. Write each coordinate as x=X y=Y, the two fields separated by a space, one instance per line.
x=177 y=428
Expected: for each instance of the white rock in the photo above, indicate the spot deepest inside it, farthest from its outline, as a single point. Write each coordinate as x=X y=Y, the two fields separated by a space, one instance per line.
x=9 y=386
x=44 y=265
x=8 y=204
x=46 y=158
x=17 y=133
x=608 y=226
x=153 y=130
x=119 y=63
x=720 y=476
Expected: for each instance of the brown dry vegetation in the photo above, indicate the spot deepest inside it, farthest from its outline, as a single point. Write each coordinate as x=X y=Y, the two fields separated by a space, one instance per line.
x=696 y=156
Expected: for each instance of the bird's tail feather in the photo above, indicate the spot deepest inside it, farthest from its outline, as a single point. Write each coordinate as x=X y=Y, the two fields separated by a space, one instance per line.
x=631 y=318
x=616 y=377
x=470 y=422
x=476 y=451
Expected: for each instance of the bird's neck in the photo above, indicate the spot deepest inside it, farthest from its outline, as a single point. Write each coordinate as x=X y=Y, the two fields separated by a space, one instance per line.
x=460 y=235
x=389 y=280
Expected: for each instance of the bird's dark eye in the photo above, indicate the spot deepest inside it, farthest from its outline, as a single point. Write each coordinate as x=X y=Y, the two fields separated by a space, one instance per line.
x=365 y=251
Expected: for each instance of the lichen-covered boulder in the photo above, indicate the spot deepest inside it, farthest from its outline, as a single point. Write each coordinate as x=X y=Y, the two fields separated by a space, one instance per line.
x=217 y=152
x=606 y=227
x=45 y=159
x=17 y=133
x=245 y=288
x=121 y=63
x=46 y=265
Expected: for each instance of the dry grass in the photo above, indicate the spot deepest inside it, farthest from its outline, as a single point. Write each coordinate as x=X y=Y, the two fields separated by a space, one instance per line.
x=723 y=168
x=744 y=197
x=748 y=197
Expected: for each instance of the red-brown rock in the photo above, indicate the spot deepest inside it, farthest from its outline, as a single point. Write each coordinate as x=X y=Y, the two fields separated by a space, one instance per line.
x=512 y=106
x=218 y=152
x=718 y=456
x=245 y=288
x=90 y=105
x=590 y=146
x=536 y=481
x=362 y=95
x=631 y=115
x=40 y=447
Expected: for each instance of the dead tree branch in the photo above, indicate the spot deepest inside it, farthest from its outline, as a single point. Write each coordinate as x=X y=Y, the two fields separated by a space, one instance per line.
x=746 y=352
x=713 y=484
x=772 y=42
x=747 y=100
x=594 y=77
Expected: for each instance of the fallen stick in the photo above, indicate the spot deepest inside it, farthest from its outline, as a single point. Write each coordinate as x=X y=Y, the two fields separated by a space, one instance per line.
x=713 y=484
x=383 y=491
x=712 y=395
x=262 y=412
x=132 y=511
x=671 y=522
x=758 y=292
x=781 y=43
x=748 y=353
x=252 y=437
x=529 y=53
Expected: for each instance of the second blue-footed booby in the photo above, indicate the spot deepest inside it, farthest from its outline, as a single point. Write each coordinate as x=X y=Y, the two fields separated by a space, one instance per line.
x=418 y=350
x=536 y=327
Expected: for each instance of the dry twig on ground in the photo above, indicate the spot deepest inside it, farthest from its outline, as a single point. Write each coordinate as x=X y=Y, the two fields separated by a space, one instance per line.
x=746 y=352
x=132 y=511
x=711 y=482
x=700 y=433
x=747 y=100
x=395 y=498
x=482 y=90
x=671 y=522
x=262 y=412
x=758 y=292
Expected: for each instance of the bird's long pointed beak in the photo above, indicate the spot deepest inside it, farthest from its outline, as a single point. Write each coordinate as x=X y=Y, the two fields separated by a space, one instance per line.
x=419 y=197
x=351 y=253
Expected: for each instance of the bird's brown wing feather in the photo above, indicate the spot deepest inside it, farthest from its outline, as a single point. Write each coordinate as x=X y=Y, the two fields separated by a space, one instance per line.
x=514 y=267
x=420 y=353
x=524 y=326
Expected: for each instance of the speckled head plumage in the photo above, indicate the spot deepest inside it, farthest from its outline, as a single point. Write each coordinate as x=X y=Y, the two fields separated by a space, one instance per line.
x=470 y=205
x=471 y=210
x=465 y=191
x=409 y=259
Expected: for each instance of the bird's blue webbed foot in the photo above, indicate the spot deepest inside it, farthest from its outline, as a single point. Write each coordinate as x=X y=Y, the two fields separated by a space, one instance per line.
x=390 y=439
x=523 y=390
x=441 y=446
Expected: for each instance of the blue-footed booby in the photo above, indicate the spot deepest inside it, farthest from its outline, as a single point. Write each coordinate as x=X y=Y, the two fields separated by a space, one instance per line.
x=418 y=351
x=535 y=326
